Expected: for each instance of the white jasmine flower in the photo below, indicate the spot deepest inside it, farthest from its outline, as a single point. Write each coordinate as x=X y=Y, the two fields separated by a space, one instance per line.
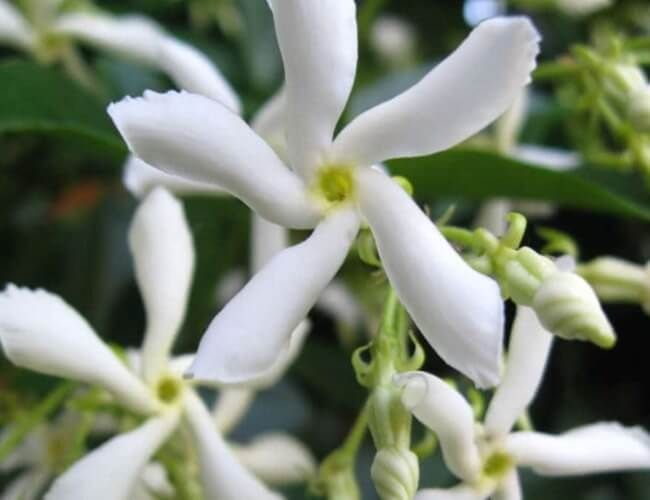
x=132 y=37
x=485 y=457
x=39 y=331
x=331 y=184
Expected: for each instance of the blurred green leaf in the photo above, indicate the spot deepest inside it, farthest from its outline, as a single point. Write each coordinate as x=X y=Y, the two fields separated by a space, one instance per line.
x=39 y=99
x=479 y=175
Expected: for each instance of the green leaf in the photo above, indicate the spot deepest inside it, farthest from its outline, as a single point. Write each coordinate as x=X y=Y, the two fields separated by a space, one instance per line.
x=478 y=175
x=39 y=99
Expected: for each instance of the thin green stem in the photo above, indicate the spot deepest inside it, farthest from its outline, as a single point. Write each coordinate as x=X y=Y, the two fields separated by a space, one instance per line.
x=356 y=435
x=29 y=421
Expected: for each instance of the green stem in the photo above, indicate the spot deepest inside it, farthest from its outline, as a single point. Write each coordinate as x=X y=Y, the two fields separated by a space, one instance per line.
x=356 y=435
x=555 y=70
x=26 y=424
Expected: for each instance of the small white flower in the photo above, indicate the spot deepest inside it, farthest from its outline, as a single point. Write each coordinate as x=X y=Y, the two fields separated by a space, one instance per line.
x=132 y=37
x=331 y=184
x=485 y=457
x=41 y=332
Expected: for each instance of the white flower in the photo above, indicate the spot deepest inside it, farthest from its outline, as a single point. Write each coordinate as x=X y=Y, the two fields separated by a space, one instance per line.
x=39 y=331
x=132 y=37
x=485 y=457
x=331 y=184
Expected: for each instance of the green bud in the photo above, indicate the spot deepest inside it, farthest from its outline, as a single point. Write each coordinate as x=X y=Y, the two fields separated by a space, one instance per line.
x=367 y=248
x=523 y=274
x=404 y=183
x=395 y=473
x=389 y=421
x=568 y=307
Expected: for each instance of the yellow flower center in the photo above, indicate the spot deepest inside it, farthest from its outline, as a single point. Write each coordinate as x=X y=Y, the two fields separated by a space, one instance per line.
x=335 y=184
x=497 y=465
x=168 y=389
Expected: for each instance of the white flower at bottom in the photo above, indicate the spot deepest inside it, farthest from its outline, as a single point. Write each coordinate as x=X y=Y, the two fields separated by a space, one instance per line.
x=331 y=184
x=485 y=457
x=41 y=332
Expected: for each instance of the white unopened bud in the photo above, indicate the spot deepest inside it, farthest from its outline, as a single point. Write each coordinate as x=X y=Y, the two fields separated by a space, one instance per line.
x=582 y=7
x=395 y=473
x=568 y=307
x=393 y=39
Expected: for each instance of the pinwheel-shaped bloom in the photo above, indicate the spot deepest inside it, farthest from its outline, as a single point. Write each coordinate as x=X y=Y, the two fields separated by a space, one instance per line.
x=50 y=30
x=39 y=331
x=485 y=457
x=331 y=184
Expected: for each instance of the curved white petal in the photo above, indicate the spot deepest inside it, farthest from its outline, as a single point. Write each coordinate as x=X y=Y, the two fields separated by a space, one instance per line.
x=277 y=458
x=153 y=484
x=270 y=123
x=26 y=486
x=247 y=337
x=199 y=139
x=267 y=240
x=140 y=178
x=251 y=332
x=163 y=254
x=231 y=406
x=39 y=331
x=222 y=475
x=132 y=37
x=460 y=492
x=458 y=98
x=192 y=71
x=111 y=471
x=551 y=158
x=14 y=28
x=459 y=311
x=318 y=42
x=530 y=345
x=510 y=488
x=601 y=447
x=442 y=409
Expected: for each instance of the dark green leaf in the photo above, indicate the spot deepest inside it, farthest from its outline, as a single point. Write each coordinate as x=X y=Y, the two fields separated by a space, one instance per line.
x=38 y=99
x=478 y=175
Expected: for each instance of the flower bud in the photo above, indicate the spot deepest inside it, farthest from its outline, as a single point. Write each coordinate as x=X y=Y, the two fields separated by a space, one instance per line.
x=396 y=473
x=568 y=307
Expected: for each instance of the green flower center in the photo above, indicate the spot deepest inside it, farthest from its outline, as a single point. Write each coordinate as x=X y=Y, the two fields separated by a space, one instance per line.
x=168 y=389
x=335 y=184
x=497 y=465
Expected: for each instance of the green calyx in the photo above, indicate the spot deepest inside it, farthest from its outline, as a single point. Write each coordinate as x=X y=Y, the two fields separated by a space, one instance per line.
x=335 y=184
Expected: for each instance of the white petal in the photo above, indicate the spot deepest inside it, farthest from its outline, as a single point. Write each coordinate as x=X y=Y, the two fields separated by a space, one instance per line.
x=191 y=70
x=602 y=447
x=13 y=27
x=458 y=98
x=153 y=484
x=199 y=139
x=222 y=475
x=111 y=471
x=530 y=345
x=443 y=410
x=163 y=254
x=277 y=458
x=510 y=488
x=459 y=311
x=267 y=240
x=270 y=123
x=338 y=301
x=132 y=37
x=27 y=486
x=551 y=158
x=39 y=331
x=231 y=406
x=460 y=492
x=318 y=41
x=140 y=178
x=247 y=337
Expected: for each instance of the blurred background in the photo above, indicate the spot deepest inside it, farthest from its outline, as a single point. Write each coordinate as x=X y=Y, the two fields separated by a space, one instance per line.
x=64 y=212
